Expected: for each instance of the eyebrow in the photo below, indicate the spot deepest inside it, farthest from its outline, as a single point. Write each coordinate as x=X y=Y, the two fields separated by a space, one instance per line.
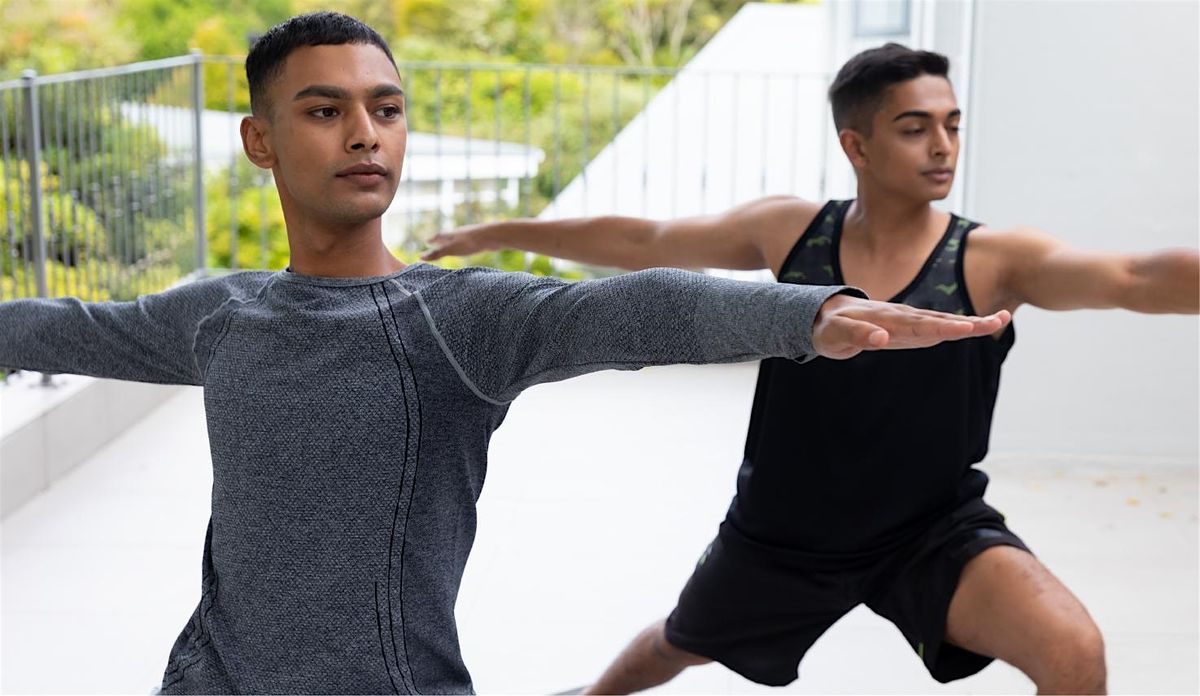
x=331 y=92
x=925 y=114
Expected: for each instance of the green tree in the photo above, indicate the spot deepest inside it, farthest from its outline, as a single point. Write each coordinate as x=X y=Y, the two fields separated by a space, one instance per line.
x=53 y=36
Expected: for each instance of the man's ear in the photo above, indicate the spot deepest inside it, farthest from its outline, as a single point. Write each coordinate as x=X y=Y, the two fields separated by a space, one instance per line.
x=256 y=142
x=852 y=144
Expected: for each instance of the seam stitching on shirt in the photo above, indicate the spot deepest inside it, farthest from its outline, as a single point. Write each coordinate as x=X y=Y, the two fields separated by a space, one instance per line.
x=212 y=353
x=416 y=468
x=411 y=685
x=450 y=355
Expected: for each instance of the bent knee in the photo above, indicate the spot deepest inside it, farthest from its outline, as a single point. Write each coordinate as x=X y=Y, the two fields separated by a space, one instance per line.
x=669 y=651
x=1075 y=663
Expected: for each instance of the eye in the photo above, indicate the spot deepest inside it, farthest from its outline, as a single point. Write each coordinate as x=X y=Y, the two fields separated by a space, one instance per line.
x=324 y=112
x=952 y=129
x=913 y=131
x=391 y=111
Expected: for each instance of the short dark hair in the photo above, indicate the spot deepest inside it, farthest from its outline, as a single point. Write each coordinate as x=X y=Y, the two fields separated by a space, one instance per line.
x=861 y=85
x=265 y=62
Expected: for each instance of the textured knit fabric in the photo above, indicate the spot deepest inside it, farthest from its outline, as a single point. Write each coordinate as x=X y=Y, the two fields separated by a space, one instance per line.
x=838 y=490
x=349 y=422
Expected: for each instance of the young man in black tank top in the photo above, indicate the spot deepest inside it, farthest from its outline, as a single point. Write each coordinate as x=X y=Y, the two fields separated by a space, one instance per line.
x=900 y=526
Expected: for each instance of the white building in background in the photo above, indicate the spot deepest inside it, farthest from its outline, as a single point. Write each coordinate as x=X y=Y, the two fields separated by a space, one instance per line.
x=441 y=172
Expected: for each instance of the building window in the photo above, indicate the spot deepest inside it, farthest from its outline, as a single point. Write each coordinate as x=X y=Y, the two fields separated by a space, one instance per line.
x=881 y=17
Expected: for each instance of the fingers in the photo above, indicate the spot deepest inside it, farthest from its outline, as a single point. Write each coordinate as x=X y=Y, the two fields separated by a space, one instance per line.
x=842 y=337
x=920 y=328
x=441 y=244
x=852 y=325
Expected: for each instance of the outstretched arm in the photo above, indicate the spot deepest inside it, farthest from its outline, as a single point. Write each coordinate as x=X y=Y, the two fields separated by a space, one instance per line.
x=732 y=239
x=508 y=332
x=1049 y=273
x=147 y=340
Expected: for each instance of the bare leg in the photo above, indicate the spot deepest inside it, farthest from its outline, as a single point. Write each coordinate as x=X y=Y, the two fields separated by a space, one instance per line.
x=1009 y=606
x=647 y=661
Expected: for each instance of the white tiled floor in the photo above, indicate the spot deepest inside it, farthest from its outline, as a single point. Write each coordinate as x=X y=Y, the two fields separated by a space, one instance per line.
x=601 y=493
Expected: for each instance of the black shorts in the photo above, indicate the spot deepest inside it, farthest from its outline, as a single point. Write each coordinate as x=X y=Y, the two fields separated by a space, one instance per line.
x=758 y=611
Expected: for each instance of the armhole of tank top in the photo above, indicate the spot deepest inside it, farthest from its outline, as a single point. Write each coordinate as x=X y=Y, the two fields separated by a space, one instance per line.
x=960 y=268
x=1005 y=340
x=813 y=225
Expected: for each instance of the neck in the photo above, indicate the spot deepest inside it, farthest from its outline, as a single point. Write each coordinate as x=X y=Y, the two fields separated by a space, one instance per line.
x=886 y=219
x=352 y=251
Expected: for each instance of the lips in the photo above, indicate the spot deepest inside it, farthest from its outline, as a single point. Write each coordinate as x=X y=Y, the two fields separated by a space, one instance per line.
x=939 y=175
x=364 y=168
x=364 y=173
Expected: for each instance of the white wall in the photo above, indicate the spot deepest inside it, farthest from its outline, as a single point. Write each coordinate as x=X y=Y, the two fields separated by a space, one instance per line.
x=1083 y=122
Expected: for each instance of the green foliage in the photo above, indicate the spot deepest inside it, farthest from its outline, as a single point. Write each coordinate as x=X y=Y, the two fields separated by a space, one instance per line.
x=249 y=201
x=53 y=36
x=167 y=28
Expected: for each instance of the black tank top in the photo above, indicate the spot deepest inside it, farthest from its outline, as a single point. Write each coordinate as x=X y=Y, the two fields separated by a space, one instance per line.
x=853 y=457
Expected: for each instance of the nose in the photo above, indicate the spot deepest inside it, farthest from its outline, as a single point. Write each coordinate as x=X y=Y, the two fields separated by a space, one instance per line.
x=939 y=145
x=360 y=132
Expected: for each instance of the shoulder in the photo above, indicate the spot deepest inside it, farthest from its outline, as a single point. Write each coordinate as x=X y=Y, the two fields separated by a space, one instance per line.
x=207 y=294
x=477 y=292
x=778 y=223
x=780 y=212
x=1012 y=245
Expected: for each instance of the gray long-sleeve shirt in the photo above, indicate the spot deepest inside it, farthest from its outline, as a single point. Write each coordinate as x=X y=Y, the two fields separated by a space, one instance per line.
x=349 y=422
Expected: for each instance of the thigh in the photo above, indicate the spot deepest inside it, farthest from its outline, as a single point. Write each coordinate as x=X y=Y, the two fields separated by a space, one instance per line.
x=753 y=614
x=916 y=587
x=1010 y=606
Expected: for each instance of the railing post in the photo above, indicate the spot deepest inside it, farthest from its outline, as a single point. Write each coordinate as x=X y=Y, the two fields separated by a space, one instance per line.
x=200 y=219
x=33 y=155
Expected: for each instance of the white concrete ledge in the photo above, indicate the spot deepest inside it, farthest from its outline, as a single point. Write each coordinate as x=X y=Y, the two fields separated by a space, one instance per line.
x=46 y=431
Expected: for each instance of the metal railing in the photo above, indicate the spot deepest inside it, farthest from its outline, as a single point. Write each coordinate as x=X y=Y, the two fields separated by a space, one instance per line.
x=123 y=181
x=92 y=203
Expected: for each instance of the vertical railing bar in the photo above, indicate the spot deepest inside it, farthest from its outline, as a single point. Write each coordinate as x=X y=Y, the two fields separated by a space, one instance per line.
x=437 y=151
x=64 y=252
x=409 y=238
x=587 y=149
x=704 y=143
x=198 y=162
x=234 y=227
x=616 y=129
x=33 y=144
x=262 y=221
x=527 y=178
x=467 y=193
x=145 y=191
x=556 y=168
x=645 y=115
x=115 y=181
x=33 y=147
x=9 y=219
x=46 y=139
x=24 y=220
x=73 y=185
x=498 y=210
x=527 y=113
x=137 y=222
x=155 y=274
x=676 y=87
x=110 y=203
x=88 y=233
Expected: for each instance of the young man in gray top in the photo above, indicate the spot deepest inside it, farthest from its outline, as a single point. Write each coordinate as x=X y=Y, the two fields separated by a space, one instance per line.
x=350 y=399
